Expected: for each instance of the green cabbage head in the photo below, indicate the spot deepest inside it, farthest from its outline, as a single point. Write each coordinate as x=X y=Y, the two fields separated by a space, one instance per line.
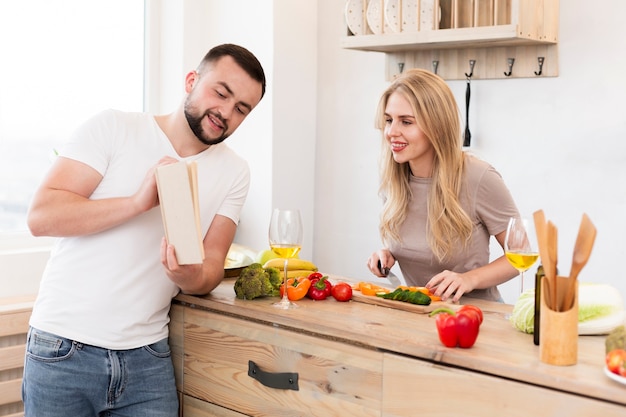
x=600 y=309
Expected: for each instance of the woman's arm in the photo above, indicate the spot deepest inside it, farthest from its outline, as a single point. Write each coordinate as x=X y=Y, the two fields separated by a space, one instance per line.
x=448 y=284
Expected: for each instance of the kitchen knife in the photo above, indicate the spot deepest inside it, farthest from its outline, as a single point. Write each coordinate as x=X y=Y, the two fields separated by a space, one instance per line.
x=393 y=278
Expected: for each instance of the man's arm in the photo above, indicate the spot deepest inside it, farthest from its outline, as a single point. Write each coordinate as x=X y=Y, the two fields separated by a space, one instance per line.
x=61 y=205
x=202 y=278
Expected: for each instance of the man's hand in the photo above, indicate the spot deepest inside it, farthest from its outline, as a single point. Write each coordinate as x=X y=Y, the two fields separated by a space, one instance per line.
x=184 y=276
x=147 y=196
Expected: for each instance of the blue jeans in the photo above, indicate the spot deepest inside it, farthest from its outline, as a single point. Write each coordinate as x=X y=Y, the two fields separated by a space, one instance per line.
x=65 y=378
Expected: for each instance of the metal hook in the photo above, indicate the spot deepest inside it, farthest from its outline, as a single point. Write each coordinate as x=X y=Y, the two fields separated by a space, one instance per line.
x=401 y=66
x=435 y=65
x=472 y=62
x=540 y=62
x=510 y=61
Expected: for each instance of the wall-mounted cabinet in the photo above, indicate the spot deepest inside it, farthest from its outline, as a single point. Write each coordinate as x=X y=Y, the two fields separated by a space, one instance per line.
x=504 y=38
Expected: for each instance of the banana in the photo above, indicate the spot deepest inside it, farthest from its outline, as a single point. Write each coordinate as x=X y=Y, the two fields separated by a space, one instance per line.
x=292 y=264
x=295 y=273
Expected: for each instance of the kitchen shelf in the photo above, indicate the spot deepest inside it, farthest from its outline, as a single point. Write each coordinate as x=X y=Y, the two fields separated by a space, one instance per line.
x=504 y=35
x=527 y=31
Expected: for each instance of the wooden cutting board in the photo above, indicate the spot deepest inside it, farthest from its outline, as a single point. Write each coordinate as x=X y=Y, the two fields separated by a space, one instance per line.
x=401 y=305
x=358 y=297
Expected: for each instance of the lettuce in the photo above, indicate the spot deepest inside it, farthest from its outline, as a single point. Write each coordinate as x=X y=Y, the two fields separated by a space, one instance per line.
x=600 y=309
x=523 y=315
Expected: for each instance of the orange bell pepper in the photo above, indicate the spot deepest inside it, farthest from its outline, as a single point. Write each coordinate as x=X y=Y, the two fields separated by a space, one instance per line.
x=427 y=291
x=297 y=288
x=367 y=288
x=423 y=290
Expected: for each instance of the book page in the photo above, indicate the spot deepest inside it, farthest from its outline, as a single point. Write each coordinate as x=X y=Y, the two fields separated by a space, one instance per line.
x=192 y=169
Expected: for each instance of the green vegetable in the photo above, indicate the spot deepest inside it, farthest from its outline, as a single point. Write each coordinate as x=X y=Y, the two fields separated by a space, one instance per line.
x=408 y=296
x=616 y=339
x=524 y=312
x=256 y=281
x=600 y=309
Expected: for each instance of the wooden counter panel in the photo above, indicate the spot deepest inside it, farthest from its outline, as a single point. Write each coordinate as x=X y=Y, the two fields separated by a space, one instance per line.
x=334 y=378
x=176 y=342
x=197 y=408
x=452 y=392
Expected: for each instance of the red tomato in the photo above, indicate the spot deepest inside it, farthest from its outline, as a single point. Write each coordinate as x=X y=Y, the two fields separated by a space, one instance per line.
x=342 y=291
x=616 y=360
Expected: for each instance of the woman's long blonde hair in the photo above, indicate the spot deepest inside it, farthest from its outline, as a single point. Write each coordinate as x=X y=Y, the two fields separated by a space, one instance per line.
x=437 y=115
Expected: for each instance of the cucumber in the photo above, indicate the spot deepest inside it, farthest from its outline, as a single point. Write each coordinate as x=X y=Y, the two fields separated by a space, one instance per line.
x=420 y=298
x=407 y=296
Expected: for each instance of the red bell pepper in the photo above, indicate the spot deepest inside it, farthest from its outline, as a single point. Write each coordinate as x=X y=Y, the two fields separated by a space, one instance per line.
x=320 y=287
x=471 y=307
x=460 y=328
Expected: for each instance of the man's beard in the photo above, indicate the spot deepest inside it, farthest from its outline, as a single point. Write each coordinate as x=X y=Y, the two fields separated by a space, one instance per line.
x=195 y=124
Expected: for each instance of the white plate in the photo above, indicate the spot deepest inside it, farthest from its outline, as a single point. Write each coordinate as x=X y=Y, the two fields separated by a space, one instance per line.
x=614 y=377
x=427 y=14
x=409 y=15
x=354 y=16
x=392 y=15
x=239 y=256
x=375 y=17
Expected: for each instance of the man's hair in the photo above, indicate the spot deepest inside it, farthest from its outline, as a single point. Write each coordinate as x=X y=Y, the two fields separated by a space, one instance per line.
x=243 y=57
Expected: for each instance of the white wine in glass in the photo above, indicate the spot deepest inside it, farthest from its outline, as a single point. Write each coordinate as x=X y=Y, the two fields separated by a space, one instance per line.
x=520 y=246
x=285 y=237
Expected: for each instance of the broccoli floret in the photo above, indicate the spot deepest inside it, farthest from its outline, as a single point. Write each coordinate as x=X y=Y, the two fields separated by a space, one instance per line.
x=255 y=281
x=276 y=278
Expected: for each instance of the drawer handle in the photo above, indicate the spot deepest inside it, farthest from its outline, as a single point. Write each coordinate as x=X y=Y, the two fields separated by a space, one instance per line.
x=278 y=380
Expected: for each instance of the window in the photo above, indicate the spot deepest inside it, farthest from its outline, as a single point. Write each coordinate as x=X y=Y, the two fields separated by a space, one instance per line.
x=62 y=62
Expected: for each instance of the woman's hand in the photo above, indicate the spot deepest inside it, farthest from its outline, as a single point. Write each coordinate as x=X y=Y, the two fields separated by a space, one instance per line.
x=381 y=261
x=448 y=284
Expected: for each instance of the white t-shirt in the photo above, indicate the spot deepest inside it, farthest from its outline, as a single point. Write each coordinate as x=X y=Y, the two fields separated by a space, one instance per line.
x=110 y=289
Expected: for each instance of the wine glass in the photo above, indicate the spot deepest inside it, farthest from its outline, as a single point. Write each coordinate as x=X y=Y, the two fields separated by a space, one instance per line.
x=520 y=246
x=285 y=236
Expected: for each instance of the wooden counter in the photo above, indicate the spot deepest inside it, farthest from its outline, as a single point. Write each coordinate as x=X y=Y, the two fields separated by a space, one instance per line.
x=14 y=316
x=360 y=359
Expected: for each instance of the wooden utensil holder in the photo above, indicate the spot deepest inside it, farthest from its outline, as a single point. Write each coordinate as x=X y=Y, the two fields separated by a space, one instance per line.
x=558 y=344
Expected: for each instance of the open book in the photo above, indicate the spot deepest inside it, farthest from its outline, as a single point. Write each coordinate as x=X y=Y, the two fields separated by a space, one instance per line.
x=177 y=185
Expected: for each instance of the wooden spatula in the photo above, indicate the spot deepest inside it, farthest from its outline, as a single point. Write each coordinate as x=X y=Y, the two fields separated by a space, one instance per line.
x=541 y=229
x=553 y=255
x=582 y=249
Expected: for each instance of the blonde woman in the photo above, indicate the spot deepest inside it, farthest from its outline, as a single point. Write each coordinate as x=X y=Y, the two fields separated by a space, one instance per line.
x=441 y=205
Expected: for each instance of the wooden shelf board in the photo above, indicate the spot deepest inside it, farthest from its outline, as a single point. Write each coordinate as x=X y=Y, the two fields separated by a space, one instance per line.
x=488 y=36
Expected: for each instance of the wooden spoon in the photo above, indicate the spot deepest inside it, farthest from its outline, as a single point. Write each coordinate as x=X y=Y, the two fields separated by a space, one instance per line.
x=582 y=249
x=553 y=255
x=542 y=242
